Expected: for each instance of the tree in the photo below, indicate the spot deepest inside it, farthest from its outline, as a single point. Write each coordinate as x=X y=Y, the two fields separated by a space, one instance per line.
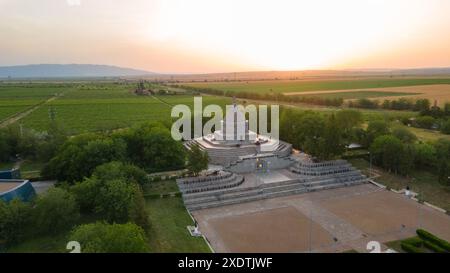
x=425 y=122
x=86 y=193
x=116 y=169
x=404 y=135
x=110 y=238
x=331 y=140
x=114 y=193
x=308 y=129
x=445 y=128
x=52 y=140
x=55 y=211
x=80 y=155
x=424 y=155
x=447 y=109
x=347 y=120
x=367 y=103
x=387 y=151
x=375 y=129
x=14 y=221
x=152 y=147
x=115 y=199
x=197 y=160
x=442 y=147
x=423 y=106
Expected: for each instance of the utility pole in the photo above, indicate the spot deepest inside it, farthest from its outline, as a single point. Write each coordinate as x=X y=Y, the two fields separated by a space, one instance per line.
x=310 y=229
x=52 y=113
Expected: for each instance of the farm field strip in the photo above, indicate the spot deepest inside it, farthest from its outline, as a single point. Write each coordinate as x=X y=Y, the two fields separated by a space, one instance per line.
x=103 y=110
x=299 y=86
x=20 y=115
x=354 y=94
x=18 y=100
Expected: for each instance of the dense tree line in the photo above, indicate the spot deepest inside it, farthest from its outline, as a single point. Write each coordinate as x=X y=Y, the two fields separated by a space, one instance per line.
x=325 y=136
x=430 y=116
x=423 y=106
x=149 y=146
x=27 y=143
x=113 y=194
x=397 y=150
x=322 y=136
x=271 y=96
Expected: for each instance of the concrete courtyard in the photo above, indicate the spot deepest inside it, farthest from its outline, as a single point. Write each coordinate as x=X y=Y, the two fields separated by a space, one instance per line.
x=325 y=221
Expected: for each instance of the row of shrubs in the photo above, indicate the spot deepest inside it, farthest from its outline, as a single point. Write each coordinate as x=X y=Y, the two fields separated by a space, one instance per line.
x=427 y=240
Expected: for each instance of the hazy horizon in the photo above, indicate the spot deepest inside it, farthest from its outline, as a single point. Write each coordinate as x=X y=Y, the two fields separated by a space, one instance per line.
x=201 y=36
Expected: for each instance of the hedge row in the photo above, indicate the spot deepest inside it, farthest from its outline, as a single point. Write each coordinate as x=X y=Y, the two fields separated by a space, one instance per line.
x=426 y=236
x=434 y=247
x=414 y=241
x=410 y=248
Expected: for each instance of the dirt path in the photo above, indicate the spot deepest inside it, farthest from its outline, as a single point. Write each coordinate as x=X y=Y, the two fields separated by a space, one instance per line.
x=160 y=100
x=18 y=116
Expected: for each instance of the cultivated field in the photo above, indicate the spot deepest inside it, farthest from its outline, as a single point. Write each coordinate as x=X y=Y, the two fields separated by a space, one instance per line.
x=85 y=107
x=439 y=92
x=16 y=98
x=300 y=86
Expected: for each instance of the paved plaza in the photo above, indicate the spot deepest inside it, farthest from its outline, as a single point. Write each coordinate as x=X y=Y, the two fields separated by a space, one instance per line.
x=334 y=220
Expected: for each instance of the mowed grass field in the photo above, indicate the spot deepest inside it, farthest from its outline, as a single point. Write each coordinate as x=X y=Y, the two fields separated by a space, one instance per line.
x=92 y=106
x=288 y=86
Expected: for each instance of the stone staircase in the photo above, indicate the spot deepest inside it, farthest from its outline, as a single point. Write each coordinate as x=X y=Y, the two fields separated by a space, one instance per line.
x=240 y=194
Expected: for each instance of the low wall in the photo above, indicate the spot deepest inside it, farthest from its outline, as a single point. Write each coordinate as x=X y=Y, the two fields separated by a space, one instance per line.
x=10 y=174
x=24 y=191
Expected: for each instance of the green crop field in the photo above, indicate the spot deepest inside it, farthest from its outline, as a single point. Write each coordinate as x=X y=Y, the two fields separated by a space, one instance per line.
x=285 y=86
x=16 y=98
x=358 y=95
x=83 y=107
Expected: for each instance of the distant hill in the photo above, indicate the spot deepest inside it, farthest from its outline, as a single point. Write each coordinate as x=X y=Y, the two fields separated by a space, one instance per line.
x=68 y=71
x=307 y=75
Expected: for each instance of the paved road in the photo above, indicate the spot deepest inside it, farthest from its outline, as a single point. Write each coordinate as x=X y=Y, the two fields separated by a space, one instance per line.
x=42 y=186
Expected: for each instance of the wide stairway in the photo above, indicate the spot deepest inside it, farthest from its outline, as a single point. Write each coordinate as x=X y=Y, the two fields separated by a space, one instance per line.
x=227 y=188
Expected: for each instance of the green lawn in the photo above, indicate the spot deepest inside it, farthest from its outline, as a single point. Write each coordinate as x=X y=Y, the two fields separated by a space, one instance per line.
x=424 y=183
x=43 y=244
x=31 y=169
x=285 y=86
x=160 y=187
x=6 y=165
x=168 y=232
x=169 y=219
x=51 y=243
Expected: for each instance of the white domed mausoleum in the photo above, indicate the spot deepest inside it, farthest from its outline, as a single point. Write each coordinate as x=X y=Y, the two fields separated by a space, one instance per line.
x=246 y=166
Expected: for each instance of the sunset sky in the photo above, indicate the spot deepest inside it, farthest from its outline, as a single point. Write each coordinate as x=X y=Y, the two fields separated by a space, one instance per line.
x=198 y=36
